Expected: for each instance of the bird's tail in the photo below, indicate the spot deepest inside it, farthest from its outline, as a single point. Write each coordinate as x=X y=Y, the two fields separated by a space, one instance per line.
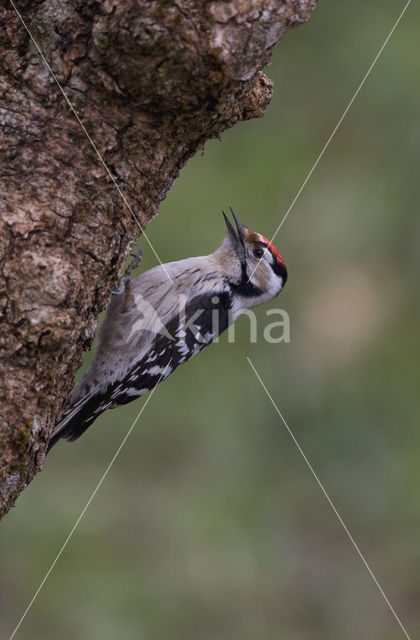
x=77 y=417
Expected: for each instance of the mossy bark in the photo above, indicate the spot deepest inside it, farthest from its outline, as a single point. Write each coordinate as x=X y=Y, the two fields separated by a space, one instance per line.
x=151 y=81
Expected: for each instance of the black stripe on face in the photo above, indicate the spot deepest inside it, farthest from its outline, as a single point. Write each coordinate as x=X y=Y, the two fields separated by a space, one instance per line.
x=245 y=287
x=279 y=269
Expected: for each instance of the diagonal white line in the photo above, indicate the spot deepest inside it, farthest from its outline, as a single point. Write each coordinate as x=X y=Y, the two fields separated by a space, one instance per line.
x=334 y=131
x=45 y=61
x=86 y=506
x=321 y=486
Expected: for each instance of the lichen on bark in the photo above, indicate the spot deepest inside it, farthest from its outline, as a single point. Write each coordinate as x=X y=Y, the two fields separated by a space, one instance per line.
x=151 y=81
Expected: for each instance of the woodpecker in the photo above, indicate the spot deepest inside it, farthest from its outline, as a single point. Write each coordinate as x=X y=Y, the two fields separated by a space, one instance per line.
x=156 y=322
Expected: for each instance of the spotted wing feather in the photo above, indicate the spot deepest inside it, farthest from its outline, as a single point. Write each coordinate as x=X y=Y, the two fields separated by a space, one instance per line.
x=204 y=318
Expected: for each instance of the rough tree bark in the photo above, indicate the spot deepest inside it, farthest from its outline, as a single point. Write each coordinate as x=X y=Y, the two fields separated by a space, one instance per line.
x=151 y=81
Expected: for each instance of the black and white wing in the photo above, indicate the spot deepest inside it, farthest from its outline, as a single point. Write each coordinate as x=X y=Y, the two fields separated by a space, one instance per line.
x=187 y=332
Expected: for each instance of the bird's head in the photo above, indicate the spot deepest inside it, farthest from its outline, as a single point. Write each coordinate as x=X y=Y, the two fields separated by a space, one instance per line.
x=259 y=272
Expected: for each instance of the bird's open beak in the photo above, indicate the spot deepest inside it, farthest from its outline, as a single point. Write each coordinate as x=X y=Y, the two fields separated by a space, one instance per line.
x=240 y=227
x=237 y=237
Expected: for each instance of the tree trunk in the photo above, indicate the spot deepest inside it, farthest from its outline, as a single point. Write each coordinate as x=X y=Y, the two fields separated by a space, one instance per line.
x=151 y=81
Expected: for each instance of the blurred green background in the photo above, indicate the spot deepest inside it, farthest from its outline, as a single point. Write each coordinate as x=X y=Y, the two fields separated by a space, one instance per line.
x=209 y=524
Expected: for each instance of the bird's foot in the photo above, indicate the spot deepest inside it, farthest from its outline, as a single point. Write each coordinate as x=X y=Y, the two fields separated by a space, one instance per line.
x=137 y=259
x=133 y=265
x=121 y=290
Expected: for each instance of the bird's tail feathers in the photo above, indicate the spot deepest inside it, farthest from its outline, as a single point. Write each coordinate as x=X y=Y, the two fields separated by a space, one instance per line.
x=76 y=419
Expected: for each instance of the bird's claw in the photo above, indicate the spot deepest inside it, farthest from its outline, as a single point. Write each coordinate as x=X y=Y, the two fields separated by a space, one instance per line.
x=139 y=256
x=126 y=278
x=121 y=290
x=136 y=261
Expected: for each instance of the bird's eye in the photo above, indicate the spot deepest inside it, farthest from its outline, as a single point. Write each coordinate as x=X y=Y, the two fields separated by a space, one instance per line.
x=258 y=252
